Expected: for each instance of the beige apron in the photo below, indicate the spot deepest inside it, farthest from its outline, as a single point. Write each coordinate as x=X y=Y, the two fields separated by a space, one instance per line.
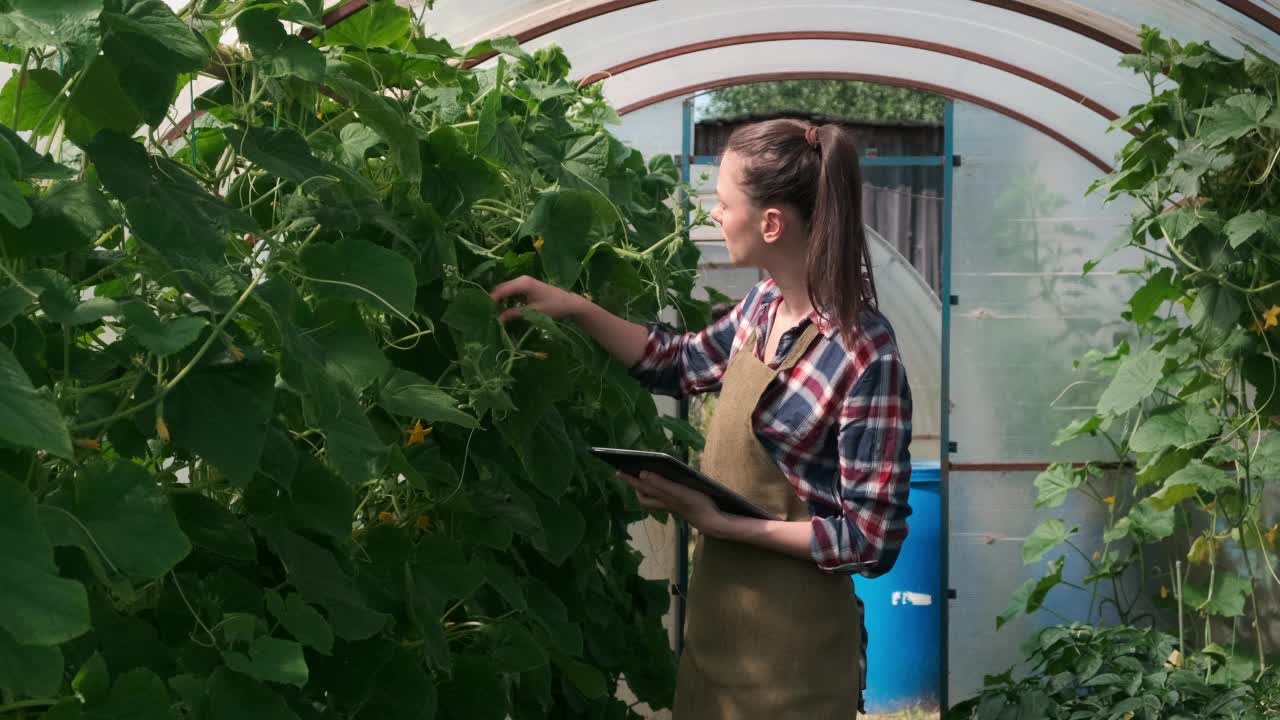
x=767 y=636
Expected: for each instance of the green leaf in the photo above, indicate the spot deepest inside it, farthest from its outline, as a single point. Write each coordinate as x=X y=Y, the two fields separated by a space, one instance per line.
x=235 y=697
x=210 y=526
x=562 y=530
x=383 y=24
x=303 y=622
x=127 y=518
x=322 y=501
x=350 y=353
x=1241 y=228
x=99 y=102
x=314 y=571
x=1186 y=482
x=351 y=445
x=473 y=317
x=35 y=165
x=1047 y=536
x=271 y=660
x=162 y=337
x=14 y=301
x=1234 y=118
x=388 y=120
x=1150 y=524
x=474 y=690
x=149 y=47
x=1229 y=594
x=356 y=140
x=29 y=417
x=36 y=606
x=1135 y=381
x=285 y=154
x=1148 y=299
x=67 y=219
x=357 y=269
x=277 y=52
x=92 y=680
x=1180 y=426
x=1163 y=464
x=138 y=694
x=1055 y=484
x=37 y=23
x=1078 y=427
x=29 y=670
x=588 y=680
x=221 y=412
x=563 y=220
x=40 y=89
x=414 y=396
x=514 y=649
x=1030 y=596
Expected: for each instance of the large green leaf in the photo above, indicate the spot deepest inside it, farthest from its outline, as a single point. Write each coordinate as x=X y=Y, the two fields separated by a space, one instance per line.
x=350 y=354
x=29 y=670
x=69 y=218
x=1149 y=523
x=222 y=412
x=36 y=606
x=1228 y=599
x=1047 y=536
x=100 y=102
x=1135 y=381
x=40 y=89
x=29 y=417
x=277 y=52
x=233 y=696
x=351 y=445
x=138 y=694
x=1180 y=426
x=272 y=660
x=127 y=518
x=1234 y=118
x=383 y=24
x=149 y=47
x=1055 y=484
x=388 y=120
x=563 y=220
x=35 y=165
x=210 y=526
x=322 y=501
x=562 y=530
x=1241 y=228
x=302 y=621
x=162 y=337
x=1148 y=298
x=412 y=395
x=285 y=153
x=1030 y=596
x=36 y=23
x=1185 y=483
x=475 y=690
x=357 y=269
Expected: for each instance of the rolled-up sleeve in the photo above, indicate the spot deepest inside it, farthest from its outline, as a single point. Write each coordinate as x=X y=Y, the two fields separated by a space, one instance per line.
x=683 y=364
x=873 y=438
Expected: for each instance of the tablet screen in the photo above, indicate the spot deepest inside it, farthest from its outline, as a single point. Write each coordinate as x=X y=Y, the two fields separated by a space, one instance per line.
x=633 y=462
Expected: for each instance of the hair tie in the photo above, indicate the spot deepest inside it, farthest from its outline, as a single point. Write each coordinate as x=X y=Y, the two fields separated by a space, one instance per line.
x=811 y=136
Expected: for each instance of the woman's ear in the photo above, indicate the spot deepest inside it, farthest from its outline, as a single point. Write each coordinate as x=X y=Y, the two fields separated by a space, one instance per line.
x=772 y=224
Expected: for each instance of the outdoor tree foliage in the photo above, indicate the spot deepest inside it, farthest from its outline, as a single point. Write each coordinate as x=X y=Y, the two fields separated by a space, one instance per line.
x=1192 y=410
x=837 y=98
x=265 y=451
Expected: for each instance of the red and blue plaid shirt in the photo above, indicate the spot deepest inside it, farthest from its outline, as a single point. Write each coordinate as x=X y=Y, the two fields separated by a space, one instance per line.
x=838 y=424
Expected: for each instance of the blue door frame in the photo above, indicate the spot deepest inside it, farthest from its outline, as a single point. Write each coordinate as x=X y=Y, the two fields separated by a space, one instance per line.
x=947 y=161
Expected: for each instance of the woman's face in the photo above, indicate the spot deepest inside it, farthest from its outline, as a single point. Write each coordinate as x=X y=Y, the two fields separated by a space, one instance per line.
x=740 y=221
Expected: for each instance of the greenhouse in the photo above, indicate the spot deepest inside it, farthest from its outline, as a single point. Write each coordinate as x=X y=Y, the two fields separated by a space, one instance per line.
x=277 y=444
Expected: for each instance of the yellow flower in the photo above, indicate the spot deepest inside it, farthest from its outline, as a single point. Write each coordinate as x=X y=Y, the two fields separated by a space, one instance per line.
x=386 y=517
x=1110 y=499
x=537 y=244
x=162 y=429
x=1272 y=317
x=237 y=353
x=1097 y=555
x=539 y=355
x=1271 y=534
x=1257 y=327
x=1164 y=592
x=89 y=443
x=423 y=522
x=418 y=433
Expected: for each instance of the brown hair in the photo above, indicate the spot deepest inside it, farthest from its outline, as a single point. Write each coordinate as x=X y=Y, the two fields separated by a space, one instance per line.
x=816 y=172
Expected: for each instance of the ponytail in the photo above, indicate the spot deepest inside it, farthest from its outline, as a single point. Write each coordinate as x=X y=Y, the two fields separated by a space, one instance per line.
x=839 y=262
x=815 y=170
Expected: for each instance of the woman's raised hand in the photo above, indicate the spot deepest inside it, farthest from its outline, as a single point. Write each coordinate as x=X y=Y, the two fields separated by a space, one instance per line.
x=547 y=299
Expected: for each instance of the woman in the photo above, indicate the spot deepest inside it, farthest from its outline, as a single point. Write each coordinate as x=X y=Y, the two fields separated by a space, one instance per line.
x=813 y=423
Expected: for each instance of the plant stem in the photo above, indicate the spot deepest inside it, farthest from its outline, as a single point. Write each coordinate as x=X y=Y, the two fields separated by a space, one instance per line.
x=26 y=704
x=22 y=83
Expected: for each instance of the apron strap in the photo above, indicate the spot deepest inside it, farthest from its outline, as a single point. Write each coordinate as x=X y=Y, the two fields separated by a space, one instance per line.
x=798 y=349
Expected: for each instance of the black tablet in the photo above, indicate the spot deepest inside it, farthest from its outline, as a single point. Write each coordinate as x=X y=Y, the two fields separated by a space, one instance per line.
x=633 y=462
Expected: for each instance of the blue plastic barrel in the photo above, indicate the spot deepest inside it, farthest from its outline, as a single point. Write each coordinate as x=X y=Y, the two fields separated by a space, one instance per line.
x=904 y=608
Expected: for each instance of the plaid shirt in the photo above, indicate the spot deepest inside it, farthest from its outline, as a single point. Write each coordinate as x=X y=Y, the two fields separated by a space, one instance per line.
x=838 y=424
